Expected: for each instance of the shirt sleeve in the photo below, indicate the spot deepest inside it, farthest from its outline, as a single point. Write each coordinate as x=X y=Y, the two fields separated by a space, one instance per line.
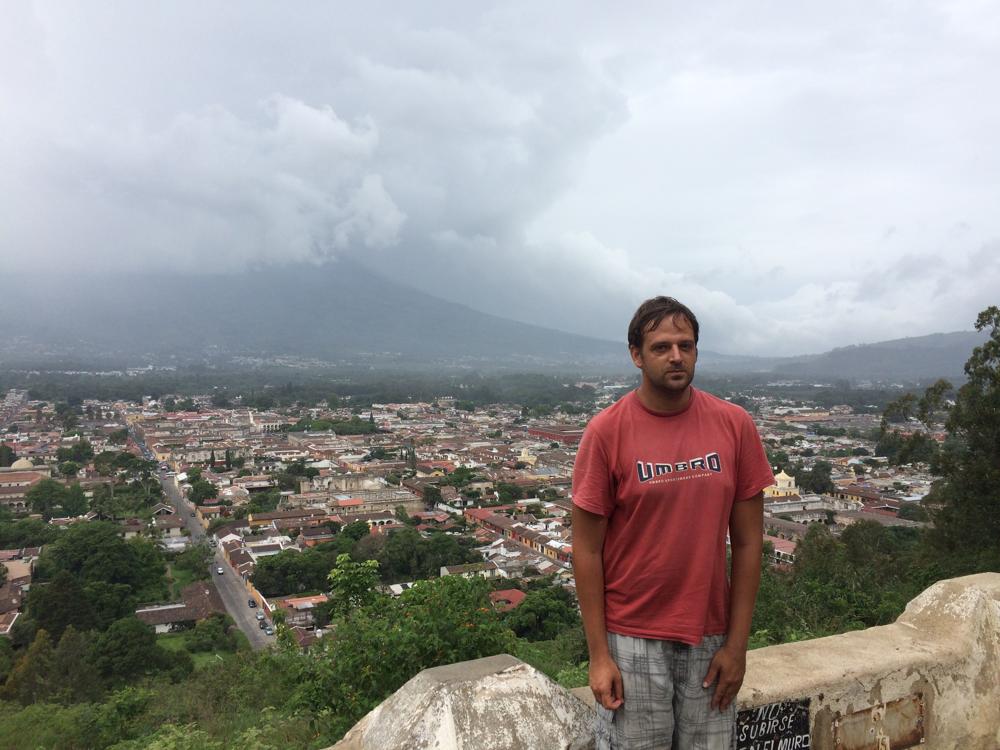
x=592 y=485
x=755 y=470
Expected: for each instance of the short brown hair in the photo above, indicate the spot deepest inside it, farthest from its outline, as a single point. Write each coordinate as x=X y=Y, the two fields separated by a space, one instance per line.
x=652 y=312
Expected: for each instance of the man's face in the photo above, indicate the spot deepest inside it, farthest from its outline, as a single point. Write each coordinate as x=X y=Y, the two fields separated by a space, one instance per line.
x=668 y=355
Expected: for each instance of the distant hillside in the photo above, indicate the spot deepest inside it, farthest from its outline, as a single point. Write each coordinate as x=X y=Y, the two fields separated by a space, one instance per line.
x=343 y=313
x=938 y=355
x=919 y=358
x=336 y=312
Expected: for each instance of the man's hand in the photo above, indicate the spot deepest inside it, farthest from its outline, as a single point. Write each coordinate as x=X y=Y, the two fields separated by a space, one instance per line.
x=606 y=683
x=727 y=668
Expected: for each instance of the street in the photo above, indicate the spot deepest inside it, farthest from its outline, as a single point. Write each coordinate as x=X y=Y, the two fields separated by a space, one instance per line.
x=229 y=585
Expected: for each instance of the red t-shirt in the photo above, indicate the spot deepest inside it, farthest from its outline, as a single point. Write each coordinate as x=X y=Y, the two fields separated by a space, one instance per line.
x=667 y=484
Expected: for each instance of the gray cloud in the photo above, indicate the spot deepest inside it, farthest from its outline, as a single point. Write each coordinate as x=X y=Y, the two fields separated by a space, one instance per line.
x=797 y=175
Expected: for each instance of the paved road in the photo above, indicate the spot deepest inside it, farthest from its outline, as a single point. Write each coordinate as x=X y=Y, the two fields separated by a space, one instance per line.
x=230 y=586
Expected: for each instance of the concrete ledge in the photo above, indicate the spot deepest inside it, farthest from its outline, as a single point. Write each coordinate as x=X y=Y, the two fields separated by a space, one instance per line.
x=944 y=647
x=496 y=703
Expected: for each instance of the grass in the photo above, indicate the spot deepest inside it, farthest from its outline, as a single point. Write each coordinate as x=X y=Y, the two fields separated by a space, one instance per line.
x=179 y=578
x=178 y=642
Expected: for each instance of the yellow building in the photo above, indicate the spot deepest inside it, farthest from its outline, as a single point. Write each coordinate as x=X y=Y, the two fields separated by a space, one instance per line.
x=784 y=486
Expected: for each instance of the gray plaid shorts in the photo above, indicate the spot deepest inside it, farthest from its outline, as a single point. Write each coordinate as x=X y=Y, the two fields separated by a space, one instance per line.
x=665 y=706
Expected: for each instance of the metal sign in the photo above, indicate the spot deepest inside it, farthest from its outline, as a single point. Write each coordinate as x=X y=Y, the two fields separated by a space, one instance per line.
x=774 y=726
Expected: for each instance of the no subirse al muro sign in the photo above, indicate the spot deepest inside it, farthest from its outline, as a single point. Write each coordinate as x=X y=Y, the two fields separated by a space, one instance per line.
x=775 y=726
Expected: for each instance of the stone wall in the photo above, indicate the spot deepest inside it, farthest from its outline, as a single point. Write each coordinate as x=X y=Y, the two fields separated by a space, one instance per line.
x=932 y=679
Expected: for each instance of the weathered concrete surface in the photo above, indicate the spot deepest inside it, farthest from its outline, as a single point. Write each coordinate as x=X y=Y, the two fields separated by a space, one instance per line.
x=496 y=703
x=946 y=645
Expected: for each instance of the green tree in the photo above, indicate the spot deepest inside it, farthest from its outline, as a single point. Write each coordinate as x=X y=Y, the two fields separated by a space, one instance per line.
x=194 y=560
x=128 y=649
x=352 y=584
x=61 y=603
x=69 y=468
x=6 y=658
x=119 y=437
x=436 y=622
x=32 y=677
x=75 y=501
x=966 y=532
x=291 y=572
x=543 y=614
x=80 y=452
x=74 y=671
x=45 y=496
x=202 y=490
x=7 y=455
x=212 y=634
x=356 y=530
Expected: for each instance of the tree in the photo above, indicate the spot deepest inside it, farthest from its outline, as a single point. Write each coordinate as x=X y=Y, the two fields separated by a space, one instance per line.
x=127 y=650
x=818 y=479
x=60 y=604
x=966 y=530
x=69 y=468
x=94 y=553
x=74 y=672
x=80 y=452
x=356 y=530
x=352 y=584
x=6 y=658
x=194 y=560
x=202 y=490
x=543 y=614
x=31 y=679
x=436 y=622
x=291 y=572
x=7 y=455
x=404 y=555
x=46 y=496
x=212 y=634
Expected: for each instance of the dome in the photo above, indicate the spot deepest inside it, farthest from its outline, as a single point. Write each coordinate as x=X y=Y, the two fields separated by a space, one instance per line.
x=21 y=464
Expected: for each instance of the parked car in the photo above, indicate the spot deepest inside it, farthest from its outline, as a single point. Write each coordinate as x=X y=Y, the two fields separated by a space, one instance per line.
x=251 y=603
x=260 y=615
x=219 y=570
x=269 y=631
x=263 y=624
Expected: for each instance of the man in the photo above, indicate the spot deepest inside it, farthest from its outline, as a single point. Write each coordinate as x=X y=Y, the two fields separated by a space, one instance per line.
x=660 y=477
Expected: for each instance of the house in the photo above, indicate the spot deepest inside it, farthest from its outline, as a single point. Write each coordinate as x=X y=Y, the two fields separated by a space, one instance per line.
x=315 y=535
x=784 y=550
x=132 y=527
x=299 y=609
x=169 y=526
x=484 y=569
x=506 y=599
x=199 y=601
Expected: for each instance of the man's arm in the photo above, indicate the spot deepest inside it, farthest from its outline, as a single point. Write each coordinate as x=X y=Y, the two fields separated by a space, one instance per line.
x=588 y=568
x=746 y=539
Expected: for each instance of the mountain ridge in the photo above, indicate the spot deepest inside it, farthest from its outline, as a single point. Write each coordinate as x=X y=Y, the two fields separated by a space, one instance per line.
x=342 y=312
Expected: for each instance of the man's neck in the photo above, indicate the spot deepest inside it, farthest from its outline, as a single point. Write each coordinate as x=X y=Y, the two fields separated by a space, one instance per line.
x=664 y=402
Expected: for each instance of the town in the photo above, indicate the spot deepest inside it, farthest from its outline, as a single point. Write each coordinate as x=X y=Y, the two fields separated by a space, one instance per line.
x=250 y=507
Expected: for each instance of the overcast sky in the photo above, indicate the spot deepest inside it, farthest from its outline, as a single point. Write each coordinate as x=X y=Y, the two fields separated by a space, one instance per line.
x=804 y=175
